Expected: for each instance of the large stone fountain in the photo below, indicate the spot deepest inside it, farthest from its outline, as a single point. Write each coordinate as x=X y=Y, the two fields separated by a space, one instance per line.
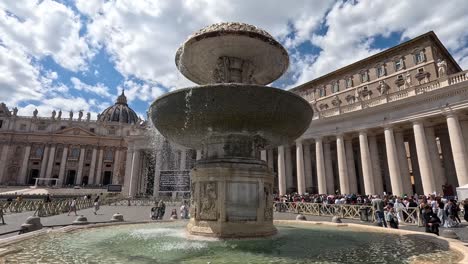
x=230 y=118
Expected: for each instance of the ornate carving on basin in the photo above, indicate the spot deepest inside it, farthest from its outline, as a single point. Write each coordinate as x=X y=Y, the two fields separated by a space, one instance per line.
x=208 y=199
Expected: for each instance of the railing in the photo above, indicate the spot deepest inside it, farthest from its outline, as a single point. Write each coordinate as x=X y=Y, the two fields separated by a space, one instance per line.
x=391 y=97
x=144 y=202
x=42 y=208
x=408 y=216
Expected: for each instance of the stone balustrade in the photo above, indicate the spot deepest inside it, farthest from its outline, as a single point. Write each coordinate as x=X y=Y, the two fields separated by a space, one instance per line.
x=391 y=97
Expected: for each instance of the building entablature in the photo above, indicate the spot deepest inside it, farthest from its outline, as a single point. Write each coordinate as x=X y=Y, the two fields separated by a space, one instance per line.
x=430 y=104
x=408 y=69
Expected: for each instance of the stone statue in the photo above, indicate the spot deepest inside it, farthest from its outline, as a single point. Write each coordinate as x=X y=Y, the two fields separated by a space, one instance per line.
x=88 y=116
x=15 y=111
x=80 y=115
x=383 y=88
x=442 y=67
x=59 y=115
x=35 y=112
x=71 y=115
x=53 y=114
x=407 y=83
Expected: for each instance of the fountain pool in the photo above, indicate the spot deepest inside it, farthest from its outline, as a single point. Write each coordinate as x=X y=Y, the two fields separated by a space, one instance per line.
x=168 y=243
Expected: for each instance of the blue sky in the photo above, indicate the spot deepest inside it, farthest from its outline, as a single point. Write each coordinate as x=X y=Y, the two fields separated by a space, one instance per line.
x=79 y=55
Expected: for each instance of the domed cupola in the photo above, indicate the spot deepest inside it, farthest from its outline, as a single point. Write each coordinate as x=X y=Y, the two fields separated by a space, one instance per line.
x=119 y=112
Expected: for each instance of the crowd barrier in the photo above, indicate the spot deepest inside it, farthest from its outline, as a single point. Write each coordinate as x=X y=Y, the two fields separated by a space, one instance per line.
x=43 y=208
x=409 y=216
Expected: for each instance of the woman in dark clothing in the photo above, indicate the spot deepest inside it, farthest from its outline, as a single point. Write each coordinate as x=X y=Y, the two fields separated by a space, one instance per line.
x=432 y=223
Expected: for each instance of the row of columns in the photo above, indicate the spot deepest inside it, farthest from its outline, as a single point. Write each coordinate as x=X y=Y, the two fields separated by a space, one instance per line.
x=428 y=160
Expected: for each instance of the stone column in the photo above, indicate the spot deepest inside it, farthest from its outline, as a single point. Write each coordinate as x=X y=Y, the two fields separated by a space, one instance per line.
x=92 y=169
x=99 y=167
x=300 y=168
x=307 y=167
x=321 y=175
x=393 y=164
x=134 y=174
x=183 y=159
x=270 y=158
x=44 y=162
x=128 y=171
x=464 y=129
x=438 y=170
x=289 y=168
x=24 y=166
x=366 y=163
x=63 y=165
x=458 y=149
x=115 y=171
x=199 y=154
x=424 y=160
x=80 y=166
x=375 y=161
x=403 y=162
x=263 y=155
x=415 y=167
x=281 y=171
x=351 y=166
x=3 y=161
x=50 y=164
x=342 y=165
x=329 y=168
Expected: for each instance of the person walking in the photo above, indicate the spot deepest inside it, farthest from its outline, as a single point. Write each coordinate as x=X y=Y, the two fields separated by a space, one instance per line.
x=72 y=206
x=96 y=205
x=378 y=206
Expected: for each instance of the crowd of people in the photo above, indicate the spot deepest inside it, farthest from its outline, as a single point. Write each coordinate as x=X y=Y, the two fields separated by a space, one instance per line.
x=390 y=210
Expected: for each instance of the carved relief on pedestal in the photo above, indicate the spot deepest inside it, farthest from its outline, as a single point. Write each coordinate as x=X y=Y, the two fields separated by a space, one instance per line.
x=208 y=201
x=268 y=213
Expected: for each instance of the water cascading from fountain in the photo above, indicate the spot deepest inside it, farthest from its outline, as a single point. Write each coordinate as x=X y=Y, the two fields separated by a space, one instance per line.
x=230 y=118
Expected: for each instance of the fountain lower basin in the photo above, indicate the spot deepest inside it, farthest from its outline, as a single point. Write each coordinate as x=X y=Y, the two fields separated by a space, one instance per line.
x=296 y=242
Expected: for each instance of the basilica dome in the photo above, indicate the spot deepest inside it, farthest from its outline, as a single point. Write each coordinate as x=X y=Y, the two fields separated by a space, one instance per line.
x=119 y=112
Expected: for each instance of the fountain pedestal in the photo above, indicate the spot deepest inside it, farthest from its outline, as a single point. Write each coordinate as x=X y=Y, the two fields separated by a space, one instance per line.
x=232 y=198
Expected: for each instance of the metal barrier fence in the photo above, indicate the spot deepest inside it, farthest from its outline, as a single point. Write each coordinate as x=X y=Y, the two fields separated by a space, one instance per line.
x=42 y=208
x=141 y=202
x=408 y=216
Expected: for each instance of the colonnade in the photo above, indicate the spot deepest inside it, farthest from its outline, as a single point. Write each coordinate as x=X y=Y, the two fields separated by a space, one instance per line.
x=421 y=161
x=49 y=158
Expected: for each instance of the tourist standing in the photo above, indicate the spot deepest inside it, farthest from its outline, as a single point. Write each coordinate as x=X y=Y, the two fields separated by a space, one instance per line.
x=96 y=205
x=72 y=206
x=378 y=206
x=391 y=218
x=465 y=209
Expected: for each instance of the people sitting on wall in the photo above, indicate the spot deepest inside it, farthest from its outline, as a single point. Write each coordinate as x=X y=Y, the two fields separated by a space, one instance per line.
x=174 y=214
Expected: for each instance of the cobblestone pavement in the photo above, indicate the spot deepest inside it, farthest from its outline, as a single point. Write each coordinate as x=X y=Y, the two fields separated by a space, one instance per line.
x=142 y=213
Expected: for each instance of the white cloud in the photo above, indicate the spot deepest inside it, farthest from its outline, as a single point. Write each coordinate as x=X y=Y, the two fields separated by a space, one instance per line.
x=353 y=25
x=19 y=80
x=46 y=106
x=99 y=89
x=144 y=92
x=143 y=36
x=44 y=28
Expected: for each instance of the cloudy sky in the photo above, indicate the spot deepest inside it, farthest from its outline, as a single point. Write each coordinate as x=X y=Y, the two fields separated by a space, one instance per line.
x=79 y=55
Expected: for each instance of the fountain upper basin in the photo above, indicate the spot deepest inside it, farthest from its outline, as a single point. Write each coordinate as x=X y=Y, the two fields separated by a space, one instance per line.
x=191 y=116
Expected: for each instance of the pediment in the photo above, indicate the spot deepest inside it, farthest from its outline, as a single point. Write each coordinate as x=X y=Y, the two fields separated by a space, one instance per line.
x=75 y=131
